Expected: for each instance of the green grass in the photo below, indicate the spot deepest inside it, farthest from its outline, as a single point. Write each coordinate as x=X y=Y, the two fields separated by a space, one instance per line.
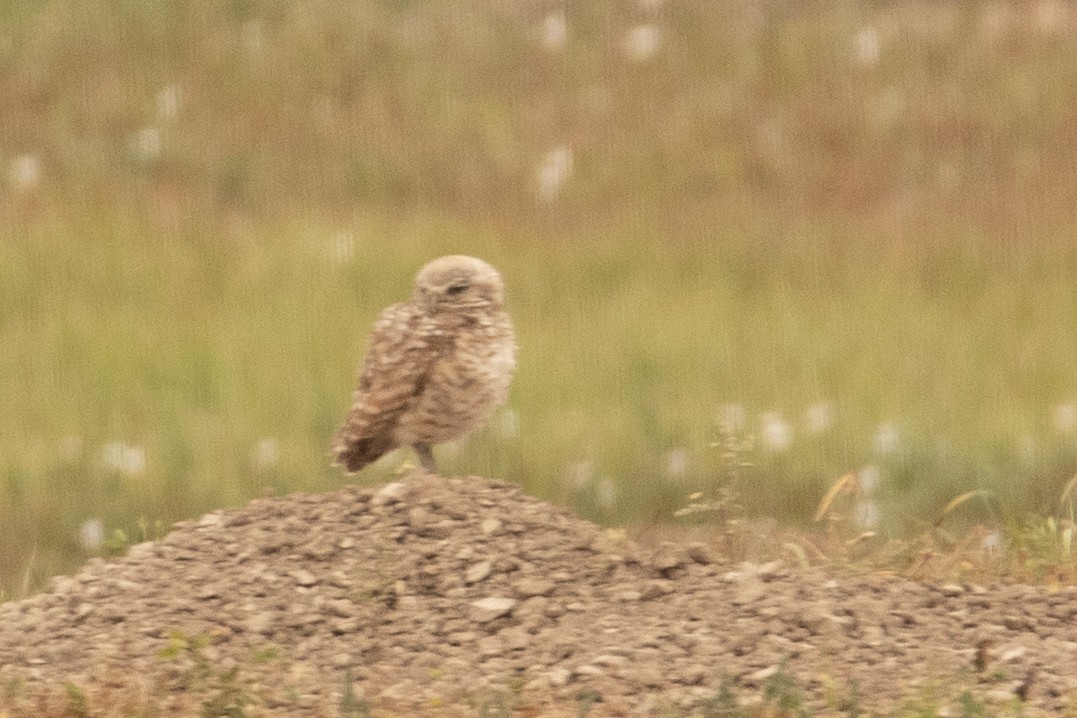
x=196 y=350
x=755 y=218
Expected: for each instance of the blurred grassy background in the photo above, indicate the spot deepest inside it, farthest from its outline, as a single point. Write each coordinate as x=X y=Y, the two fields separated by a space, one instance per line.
x=846 y=229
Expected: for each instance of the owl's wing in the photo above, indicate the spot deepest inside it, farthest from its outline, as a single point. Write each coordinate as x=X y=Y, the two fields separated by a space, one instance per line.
x=397 y=364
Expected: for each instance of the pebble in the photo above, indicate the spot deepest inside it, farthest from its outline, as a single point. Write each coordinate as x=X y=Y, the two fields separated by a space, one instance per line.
x=304 y=578
x=431 y=588
x=487 y=609
x=528 y=587
x=478 y=572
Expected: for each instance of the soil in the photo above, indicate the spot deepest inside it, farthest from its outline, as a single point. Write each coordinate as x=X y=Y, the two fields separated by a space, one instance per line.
x=462 y=596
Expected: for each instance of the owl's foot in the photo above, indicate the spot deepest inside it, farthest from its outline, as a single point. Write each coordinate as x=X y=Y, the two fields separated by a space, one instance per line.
x=426 y=457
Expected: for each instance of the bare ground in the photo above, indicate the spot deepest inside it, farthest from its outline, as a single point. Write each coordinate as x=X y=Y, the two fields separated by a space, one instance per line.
x=440 y=596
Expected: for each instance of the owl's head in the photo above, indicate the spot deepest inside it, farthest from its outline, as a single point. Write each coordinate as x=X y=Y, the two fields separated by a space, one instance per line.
x=456 y=283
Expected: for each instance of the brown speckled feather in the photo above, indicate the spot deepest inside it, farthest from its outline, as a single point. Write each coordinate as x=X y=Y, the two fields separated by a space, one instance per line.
x=392 y=376
x=437 y=366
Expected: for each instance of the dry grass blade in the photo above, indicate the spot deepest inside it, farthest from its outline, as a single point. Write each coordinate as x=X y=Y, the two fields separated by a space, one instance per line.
x=798 y=551
x=1067 y=492
x=845 y=483
x=957 y=501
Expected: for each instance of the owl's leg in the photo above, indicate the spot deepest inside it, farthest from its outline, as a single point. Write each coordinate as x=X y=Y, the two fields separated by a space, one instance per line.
x=426 y=457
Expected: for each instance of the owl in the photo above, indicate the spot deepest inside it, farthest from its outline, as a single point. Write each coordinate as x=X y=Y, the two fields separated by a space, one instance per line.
x=436 y=368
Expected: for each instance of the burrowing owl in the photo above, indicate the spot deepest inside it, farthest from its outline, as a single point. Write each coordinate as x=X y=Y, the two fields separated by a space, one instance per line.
x=437 y=366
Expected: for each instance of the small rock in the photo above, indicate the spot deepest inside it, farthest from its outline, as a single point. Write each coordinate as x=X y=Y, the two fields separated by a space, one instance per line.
x=405 y=690
x=770 y=571
x=648 y=675
x=589 y=670
x=629 y=596
x=668 y=558
x=210 y=520
x=763 y=674
x=418 y=518
x=319 y=551
x=490 y=526
x=487 y=609
x=558 y=676
x=655 y=589
x=341 y=607
x=259 y=622
x=346 y=542
x=516 y=639
x=344 y=626
x=390 y=494
x=478 y=572
x=693 y=675
x=83 y=611
x=304 y=578
x=1013 y=654
x=952 y=590
x=700 y=553
x=207 y=592
x=528 y=587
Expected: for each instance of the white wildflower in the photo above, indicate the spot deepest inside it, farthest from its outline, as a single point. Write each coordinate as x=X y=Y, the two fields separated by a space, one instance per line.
x=868 y=479
x=123 y=458
x=147 y=144
x=866 y=47
x=253 y=36
x=168 y=102
x=776 y=432
x=606 y=494
x=554 y=170
x=732 y=417
x=580 y=474
x=1065 y=418
x=887 y=439
x=266 y=454
x=677 y=463
x=91 y=534
x=866 y=514
x=508 y=424
x=24 y=172
x=642 y=42
x=554 y=30
x=819 y=417
x=340 y=249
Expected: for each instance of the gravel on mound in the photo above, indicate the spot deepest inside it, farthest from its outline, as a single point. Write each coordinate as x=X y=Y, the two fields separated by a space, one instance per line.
x=433 y=592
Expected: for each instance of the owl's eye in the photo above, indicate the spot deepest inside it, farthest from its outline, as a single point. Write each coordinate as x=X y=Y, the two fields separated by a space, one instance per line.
x=457 y=289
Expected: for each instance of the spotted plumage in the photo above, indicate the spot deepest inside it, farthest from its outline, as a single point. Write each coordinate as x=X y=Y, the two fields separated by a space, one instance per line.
x=437 y=366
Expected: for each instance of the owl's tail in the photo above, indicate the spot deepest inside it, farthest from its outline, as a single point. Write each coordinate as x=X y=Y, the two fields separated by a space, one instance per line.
x=354 y=452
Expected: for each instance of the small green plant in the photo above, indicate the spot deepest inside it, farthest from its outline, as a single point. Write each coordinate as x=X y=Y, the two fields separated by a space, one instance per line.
x=498 y=705
x=119 y=540
x=722 y=704
x=781 y=692
x=850 y=704
x=229 y=698
x=76 y=701
x=180 y=645
x=971 y=706
x=722 y=499
x=351 y=705
x=585 y=701
x=266 y=654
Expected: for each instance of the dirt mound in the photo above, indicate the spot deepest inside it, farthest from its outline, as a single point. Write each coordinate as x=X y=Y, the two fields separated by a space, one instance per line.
x=448 y=595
